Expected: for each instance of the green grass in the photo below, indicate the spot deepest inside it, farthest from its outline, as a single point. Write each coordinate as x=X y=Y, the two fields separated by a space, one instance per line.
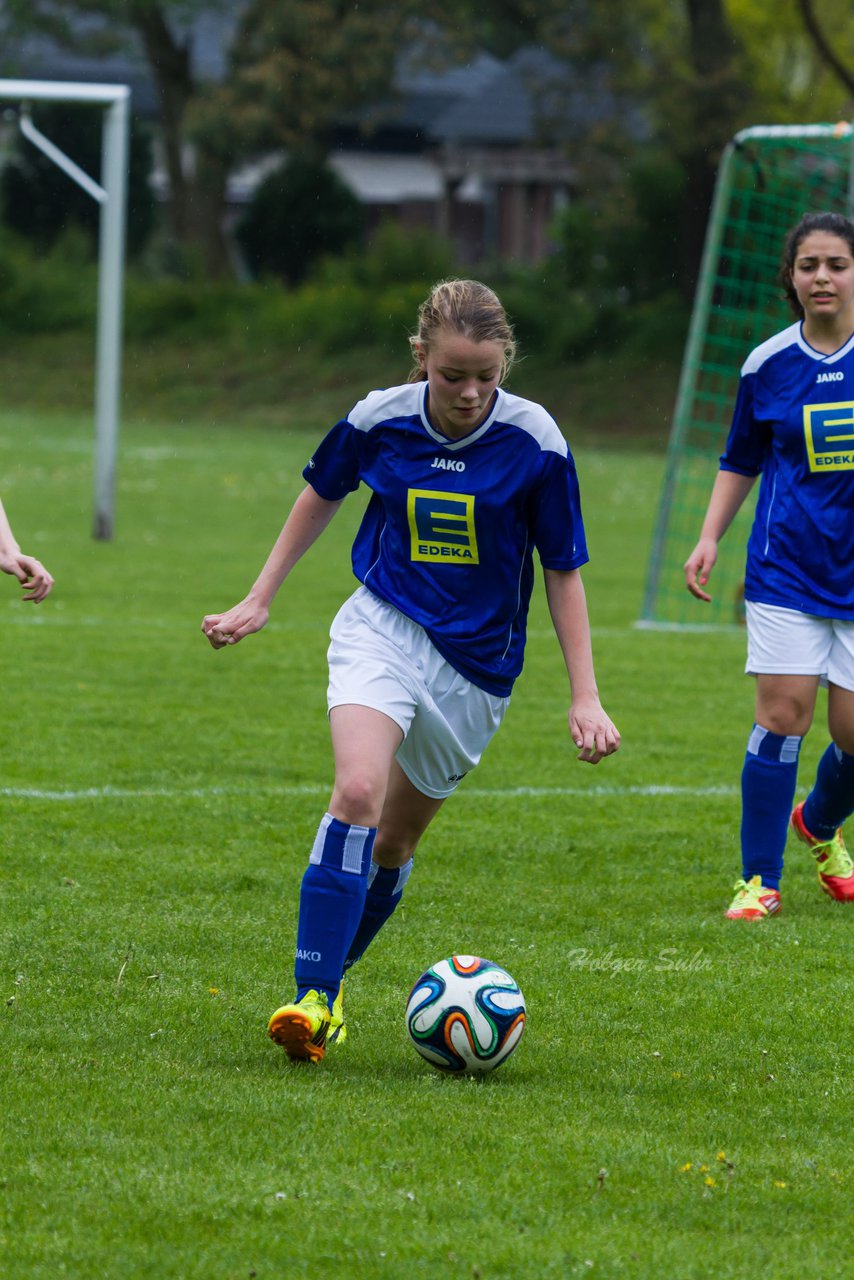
x=235 y=380
x=157 y=801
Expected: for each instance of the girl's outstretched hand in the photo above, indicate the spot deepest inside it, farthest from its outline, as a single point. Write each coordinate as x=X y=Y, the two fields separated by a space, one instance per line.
x=31 y=574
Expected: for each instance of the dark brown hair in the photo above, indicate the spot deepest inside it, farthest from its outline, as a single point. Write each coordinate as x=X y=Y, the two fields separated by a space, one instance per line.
x=834 y=224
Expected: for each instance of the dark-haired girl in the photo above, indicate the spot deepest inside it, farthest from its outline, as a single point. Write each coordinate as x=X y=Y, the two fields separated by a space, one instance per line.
x=793 y=424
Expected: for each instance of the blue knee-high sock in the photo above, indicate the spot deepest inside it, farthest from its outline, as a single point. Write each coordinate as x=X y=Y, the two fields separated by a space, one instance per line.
x=385 y=889
x=332 y=897
x=767 y=792
x=831 y=800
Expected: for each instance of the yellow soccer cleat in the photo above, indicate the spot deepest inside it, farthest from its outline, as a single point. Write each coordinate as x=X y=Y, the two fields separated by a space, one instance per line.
x=833 y=862
x=337 y=1026
x=753 y=901
x=301 y=1028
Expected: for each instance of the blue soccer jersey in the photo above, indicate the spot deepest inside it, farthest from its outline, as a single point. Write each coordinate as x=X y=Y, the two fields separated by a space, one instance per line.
x=449 y=531
x=794 y=424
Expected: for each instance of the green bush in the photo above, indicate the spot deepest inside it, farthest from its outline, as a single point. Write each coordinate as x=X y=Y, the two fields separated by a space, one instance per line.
x=321 y=316
x=395 y=256
x=189 y=308
x=365 y=300
x=556 y=320
x=345 y=315
x=659 y=327
x=48 y=292
x=299 y=213
x=625 y=249
x=643 y=250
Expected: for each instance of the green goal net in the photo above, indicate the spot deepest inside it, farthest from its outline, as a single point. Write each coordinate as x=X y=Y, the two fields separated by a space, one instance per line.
x=769 y=176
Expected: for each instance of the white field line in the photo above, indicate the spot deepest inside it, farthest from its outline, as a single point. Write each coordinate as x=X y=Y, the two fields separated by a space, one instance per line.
x=652 y=791
x=20 y=616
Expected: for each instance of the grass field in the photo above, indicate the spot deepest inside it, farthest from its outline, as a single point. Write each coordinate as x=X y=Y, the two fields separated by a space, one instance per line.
x=236 y=379
x=677 y=1106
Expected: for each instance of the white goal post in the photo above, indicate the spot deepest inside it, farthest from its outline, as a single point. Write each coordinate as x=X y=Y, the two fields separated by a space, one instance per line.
x=111 y=195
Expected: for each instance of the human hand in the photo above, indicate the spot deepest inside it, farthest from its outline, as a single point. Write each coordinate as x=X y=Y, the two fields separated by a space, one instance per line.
x=698 y=567
x=31 y=574
x=592 y=730
x=242 y=620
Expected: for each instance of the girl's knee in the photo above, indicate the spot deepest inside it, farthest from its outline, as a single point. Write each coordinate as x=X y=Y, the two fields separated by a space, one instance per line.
x=357 y=799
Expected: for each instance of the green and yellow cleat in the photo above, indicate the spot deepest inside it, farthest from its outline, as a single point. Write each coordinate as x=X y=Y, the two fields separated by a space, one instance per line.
x=833 y=861
x=753 y=900
x=302 y=1028
x=337 y=1026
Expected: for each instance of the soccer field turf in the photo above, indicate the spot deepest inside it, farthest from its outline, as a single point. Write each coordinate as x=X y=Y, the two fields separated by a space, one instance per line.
x=676 y=1106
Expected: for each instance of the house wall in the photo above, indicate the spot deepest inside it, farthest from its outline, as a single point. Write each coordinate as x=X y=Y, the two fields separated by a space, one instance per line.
x=482 y=215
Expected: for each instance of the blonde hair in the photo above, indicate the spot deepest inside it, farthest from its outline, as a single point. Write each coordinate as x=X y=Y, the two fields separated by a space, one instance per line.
x=468 y=308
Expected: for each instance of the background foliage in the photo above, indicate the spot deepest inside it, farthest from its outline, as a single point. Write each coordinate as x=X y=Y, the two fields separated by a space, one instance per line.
x=684 y=75
x=299 y=212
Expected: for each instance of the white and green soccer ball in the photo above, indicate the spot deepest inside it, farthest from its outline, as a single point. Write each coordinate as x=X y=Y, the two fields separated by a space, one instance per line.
x=465 y=1015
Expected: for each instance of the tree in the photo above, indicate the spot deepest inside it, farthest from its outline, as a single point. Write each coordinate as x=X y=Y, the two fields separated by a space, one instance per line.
x=292 y=67
x=825 y=50
x=798 y=74
x=676 y=73
x=300 y=212
x=710 y=108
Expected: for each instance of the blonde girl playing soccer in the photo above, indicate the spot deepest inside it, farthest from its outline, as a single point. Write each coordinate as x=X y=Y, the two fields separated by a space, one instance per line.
x=466 y=481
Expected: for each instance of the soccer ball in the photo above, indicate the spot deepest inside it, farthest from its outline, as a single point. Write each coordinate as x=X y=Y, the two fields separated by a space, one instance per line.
x=465 y=1014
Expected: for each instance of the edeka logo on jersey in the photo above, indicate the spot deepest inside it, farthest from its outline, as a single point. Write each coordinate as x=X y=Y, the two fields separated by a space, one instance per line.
x=829 y=434
x=441 y=526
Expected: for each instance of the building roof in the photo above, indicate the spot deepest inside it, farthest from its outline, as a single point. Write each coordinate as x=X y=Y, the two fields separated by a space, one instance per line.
x=531 y=99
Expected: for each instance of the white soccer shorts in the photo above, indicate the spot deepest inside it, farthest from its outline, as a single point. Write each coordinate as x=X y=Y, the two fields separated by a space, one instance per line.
x=787 y=642
x=380 y=658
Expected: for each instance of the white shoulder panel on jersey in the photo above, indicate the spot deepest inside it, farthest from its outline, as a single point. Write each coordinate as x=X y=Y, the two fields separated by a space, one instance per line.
x=842 y=352
x=535 y=420
x=393 y=402
x=790 y=337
